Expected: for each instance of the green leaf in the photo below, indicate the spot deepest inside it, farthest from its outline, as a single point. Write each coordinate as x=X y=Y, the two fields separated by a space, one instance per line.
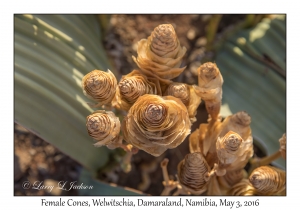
x=52 y=54
x=101 y=188
x=256 y=85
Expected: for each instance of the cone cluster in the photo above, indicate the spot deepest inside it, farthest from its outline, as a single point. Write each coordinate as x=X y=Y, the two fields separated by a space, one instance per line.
x=159 y=114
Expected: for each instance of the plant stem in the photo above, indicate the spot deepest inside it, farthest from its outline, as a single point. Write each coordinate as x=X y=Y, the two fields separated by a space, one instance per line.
x=163 y=165
x=168 y=184
x=256 y=162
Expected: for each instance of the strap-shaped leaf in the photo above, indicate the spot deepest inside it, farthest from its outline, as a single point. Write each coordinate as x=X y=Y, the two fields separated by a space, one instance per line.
x=252 y=63
x=101 y=188
x=52 y=53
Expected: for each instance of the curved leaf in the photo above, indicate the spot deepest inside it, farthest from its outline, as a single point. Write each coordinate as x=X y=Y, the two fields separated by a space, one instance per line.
x=253 y=66
x=101 y=188
x=52 y=54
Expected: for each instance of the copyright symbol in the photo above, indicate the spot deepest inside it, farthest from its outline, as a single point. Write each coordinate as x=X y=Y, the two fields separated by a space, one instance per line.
x=26 y=185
